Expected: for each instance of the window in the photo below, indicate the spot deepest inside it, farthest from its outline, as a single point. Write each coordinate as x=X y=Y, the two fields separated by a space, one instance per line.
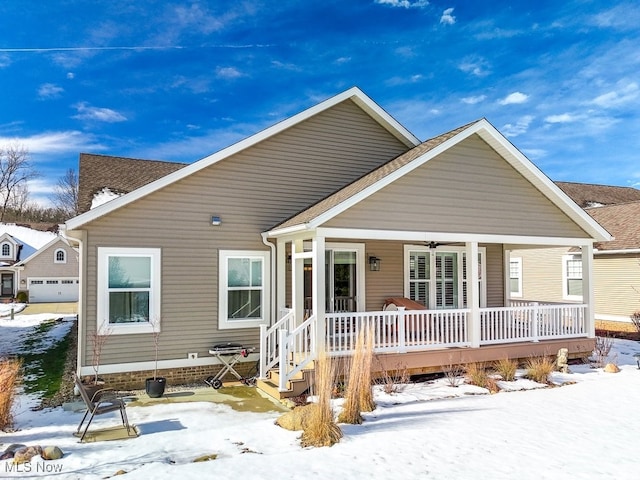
x=436 y=278
x=6 y=249
x=244 y=296
x=37 y=282
x=515 y=277
x=572 y=277
x=60 y=256
x=128 y=290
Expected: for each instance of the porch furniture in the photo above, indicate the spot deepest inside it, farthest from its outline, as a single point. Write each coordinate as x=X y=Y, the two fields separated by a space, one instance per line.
x=100 y=402
x=229 y=354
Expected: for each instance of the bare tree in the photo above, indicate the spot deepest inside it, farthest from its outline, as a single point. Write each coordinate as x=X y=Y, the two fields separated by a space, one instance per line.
x=15 y=171
x=66 y=195
x=19 y=201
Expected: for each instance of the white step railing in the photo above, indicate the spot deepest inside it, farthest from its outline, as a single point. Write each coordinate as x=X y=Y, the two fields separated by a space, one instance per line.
x=269 y=341
x=297 y=350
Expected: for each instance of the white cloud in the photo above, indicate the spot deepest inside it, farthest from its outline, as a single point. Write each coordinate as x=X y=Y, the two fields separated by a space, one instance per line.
x=394 y=81
x=615 y=98
x=49 y=143
x=49 y=90
x=473 y=100
x=475 y=66
x=228 y=73
x=404 y=3
x=87 y=112
x=514 y=98
x=518 y=128
x=342 y=60
x=71 y=75
x=447 y=18
x=5 y=61
x=534 y=153
x=562 y=118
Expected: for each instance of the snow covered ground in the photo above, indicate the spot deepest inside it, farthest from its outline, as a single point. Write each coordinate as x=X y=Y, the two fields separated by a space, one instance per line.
x=582 y=430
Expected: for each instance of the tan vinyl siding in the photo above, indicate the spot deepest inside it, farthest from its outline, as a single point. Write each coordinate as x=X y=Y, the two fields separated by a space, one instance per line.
x=617 y=284
x=495 y=275
x=542 y=273
x=43 y=264
x=251 y=192
x=467 y=189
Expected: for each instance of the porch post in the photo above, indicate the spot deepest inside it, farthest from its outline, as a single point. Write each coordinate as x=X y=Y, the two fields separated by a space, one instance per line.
x=281 y=272
x=507 y=278
x=319 y=291
x=473 y=293
x=588 y=296
x=297 y=281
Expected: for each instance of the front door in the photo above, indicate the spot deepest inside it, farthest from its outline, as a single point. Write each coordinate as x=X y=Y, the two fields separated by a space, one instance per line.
x=341 y=280
x=6 y=290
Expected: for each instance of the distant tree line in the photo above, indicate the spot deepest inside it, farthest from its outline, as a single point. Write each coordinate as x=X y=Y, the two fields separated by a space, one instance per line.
x=16 y=171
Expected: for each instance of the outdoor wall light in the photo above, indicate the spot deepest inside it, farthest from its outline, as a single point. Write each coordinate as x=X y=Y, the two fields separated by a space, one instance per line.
x=215 y=220
x=374 y=264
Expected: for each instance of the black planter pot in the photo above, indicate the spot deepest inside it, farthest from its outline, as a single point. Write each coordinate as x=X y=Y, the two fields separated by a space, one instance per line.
x=155 y=386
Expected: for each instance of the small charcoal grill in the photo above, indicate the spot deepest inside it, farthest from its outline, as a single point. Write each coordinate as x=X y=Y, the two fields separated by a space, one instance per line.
x=229 y=355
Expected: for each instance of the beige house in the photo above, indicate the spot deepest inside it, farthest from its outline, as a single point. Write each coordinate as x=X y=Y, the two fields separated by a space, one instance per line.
x=555 y=275
x=333 y=220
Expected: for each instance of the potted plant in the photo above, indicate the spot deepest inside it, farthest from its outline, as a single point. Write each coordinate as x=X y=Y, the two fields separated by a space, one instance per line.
x=155 y=386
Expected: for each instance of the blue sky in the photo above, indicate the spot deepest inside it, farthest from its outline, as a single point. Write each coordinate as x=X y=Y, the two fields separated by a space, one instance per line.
x=180 y=80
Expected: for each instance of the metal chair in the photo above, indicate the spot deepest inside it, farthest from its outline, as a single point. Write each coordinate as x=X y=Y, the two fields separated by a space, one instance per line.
x=99 y=403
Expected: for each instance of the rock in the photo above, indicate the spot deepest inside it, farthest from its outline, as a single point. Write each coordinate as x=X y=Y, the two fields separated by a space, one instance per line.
x=205 y=458
x=25 y=455
x=611 y=368
x=10 y=451
x=297 y=418
x=51 y=452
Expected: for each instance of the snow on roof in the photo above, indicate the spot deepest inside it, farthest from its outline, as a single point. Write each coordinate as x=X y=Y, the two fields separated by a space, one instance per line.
x=36 y=239
x=103 y=196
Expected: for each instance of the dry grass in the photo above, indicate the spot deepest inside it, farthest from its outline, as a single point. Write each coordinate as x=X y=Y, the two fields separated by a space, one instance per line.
x=454 y=373
x=9 y=379
x=359 y=394
x=602 y=351
x=506 y=368
x=321 y=429
x=393 y=381
x=476 y=374
x=539 y=369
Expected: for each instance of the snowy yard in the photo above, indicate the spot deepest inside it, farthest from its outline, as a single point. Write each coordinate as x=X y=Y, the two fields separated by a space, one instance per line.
x=582 y=430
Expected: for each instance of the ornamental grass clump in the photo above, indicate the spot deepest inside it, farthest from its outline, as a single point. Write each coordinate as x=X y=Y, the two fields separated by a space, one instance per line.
x=539 y=369
x=9 y=380
x=359 y=395
x=476 y=374
x=506 y=368
x=321 y=430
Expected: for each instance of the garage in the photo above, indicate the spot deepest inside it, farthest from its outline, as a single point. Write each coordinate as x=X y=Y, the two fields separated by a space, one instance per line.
x=53 y=290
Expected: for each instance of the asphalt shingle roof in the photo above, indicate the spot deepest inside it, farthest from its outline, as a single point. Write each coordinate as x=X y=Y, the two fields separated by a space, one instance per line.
x=622 y=221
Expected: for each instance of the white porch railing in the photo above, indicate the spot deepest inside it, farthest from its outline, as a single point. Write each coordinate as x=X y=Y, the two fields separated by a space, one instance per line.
x=401 y=331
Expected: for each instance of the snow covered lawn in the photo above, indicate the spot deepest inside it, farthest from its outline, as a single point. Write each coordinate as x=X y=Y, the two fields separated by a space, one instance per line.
x=582 y=430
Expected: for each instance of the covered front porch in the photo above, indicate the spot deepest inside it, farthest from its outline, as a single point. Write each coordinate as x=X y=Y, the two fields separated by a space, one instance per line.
x=328 y=289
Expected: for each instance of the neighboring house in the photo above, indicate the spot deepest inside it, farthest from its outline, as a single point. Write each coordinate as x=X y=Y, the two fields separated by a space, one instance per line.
x=41 y=264
x=294 y=239
x=556 y=275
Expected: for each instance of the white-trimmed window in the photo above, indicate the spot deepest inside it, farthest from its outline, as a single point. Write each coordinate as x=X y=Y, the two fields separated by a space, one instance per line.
x=60 y=256
x=5 y=250
x=572 y=277
x=244 y=293
x=128 y=290
x=515 y=277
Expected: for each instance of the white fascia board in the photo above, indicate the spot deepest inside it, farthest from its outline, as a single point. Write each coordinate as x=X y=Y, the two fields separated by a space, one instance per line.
x=414 y=236
x=43 y=248
x=292 y=230
x=354 y=93
x=543 y=183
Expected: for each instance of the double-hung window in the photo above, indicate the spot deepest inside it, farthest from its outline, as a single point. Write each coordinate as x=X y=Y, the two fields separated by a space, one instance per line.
x=572 y=276
x=515 y=277
x=244 y=293
x=128 y=290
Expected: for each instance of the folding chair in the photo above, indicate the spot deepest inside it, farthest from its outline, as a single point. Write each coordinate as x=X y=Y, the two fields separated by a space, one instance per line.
x=98 y=404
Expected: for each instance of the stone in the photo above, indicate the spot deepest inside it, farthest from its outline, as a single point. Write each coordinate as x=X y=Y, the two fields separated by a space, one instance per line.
x=562 y=360
x=24 y=455
x=205 y=458
x=611 y=368
x=296 y=419
x=10 y=451
x=51 y=452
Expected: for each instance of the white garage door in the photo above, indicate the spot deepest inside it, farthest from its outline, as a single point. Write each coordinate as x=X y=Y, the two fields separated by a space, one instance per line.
x=44 y=290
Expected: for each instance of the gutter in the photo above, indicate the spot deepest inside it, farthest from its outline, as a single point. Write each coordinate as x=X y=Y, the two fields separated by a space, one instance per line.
x=616 y=252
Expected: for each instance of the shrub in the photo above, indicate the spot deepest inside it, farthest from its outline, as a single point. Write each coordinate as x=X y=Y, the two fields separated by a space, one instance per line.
x=635 y=319
x=321 y=429
x=22 y=297
x=506 y=368
x=9 y=380
x=393 y=381
x=602 y=350
x=453 y=373
x=477 y=374
x=539 y=369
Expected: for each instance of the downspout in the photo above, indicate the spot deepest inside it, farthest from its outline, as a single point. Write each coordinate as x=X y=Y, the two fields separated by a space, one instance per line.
x=273 y=276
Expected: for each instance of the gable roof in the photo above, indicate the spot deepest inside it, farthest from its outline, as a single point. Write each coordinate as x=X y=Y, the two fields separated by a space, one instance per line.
x=121 y=175
x=353 y=94
x=623 y=221
x=590 y=195
x=382 y=176
x=43 y=248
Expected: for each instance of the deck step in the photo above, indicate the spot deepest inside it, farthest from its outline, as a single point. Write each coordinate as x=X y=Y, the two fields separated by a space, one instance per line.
x=296 y=386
